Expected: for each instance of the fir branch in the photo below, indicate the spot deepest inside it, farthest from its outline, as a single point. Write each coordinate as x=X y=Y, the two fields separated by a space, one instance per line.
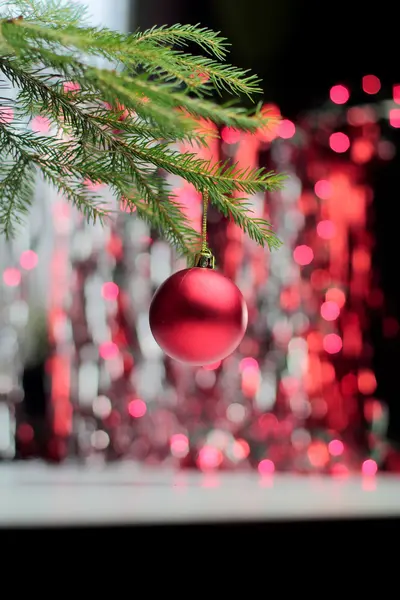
x=129 y=89
x=241 y=213
x=16 y=191
x=121 y=122
x=168 y=218
x=180 y=35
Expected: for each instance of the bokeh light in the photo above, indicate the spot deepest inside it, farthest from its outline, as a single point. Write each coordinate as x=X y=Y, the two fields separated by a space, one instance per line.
x=339 y=94
x=137 y=408
x=28 y=260
x=286 y=129
x=339 y=142
x=303 y=255
x=332 y=343
x=371 y=84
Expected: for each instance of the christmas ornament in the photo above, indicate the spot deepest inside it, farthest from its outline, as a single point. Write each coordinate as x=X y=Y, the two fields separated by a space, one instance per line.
x=198 y=316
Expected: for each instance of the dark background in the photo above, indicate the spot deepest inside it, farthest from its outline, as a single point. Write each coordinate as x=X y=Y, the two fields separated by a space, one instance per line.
x=300 y=49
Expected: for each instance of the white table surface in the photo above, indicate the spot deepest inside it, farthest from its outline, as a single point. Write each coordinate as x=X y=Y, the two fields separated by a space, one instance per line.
x=37 y=495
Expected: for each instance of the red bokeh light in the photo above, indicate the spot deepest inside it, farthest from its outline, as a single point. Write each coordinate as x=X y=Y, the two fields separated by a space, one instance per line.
x=137 y=408
x=362 y=151
x=326 y=229
x=339 y=94
x=269 y=132
x=373 y=410
x=28 y=260
x=11 y=277
x=396 y=93
x=330 y=311
x=25 y=433
x=332 y=343
x=339 y=142
x=266 y=467
x=340 y=470
x=369 y=468
x=303 y=255
x=320 y=279
x=348 y=385
x=110 y=291
x=318 y=454
x=371 y=84
x=361 y=260
x=230 y=135
x=360 y=116
x=366 y=382
x=336 y=447
x=286 y=129
x=323 y=189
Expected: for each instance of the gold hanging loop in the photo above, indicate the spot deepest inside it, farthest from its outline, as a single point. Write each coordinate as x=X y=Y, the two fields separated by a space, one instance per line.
x=205 y=257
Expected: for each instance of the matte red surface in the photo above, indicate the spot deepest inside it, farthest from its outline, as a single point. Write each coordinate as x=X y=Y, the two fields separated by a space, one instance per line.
x=198 y=316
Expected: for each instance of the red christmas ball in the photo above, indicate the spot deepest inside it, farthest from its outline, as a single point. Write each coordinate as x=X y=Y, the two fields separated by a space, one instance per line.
x=198 y=316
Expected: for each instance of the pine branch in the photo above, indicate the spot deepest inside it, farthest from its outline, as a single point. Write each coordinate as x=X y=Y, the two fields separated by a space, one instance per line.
x=16 y=190
x=116 y=126
x=241 y=212
x=180 y=35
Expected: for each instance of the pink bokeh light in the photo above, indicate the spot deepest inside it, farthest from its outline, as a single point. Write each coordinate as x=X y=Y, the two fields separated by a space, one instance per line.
x=323 y=189
x=12 y=277
x=286 y=129
x=40 y=124
x=137 y=408
x=209 y=458
x=179 y=445
x=248 y=363
x=394 y=117
x=396 y=93
x=339 y=94
x=330 y=311
x=336 y=447
x=28 y=260
x=93 y=186
x=230 y=135
x=6 y=114
x=108 y=350
x=332 y=343
x=303 y=255
x=266 y=467
x=339 y=142
x=110 y=291
x=369 y=467
x=71 y=86
x=326 y=229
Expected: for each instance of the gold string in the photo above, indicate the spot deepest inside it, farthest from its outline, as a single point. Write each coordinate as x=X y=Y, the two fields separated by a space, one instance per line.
x=205 y=257
x=204 y=246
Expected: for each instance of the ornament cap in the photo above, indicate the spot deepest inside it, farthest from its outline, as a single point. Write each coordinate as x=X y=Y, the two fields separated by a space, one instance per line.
x=204 y=259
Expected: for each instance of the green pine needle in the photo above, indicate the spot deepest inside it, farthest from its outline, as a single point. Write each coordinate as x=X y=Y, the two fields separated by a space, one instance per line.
x=118 y=125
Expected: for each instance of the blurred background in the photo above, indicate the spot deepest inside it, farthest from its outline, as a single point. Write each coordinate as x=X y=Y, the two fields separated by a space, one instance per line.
x=313 y=386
